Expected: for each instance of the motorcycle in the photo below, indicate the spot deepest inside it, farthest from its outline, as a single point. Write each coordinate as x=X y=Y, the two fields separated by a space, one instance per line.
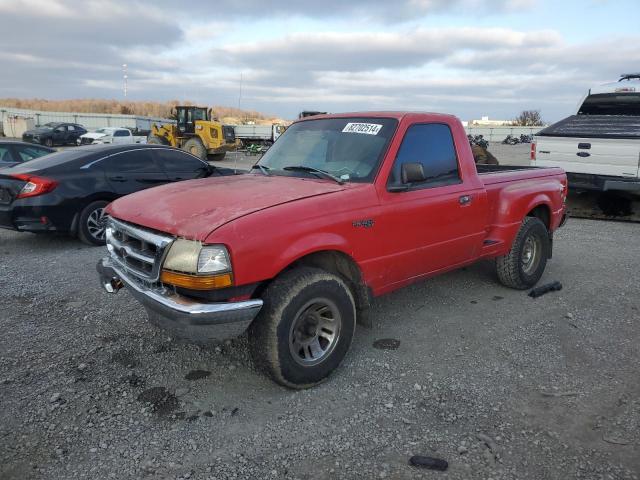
x=511 y=140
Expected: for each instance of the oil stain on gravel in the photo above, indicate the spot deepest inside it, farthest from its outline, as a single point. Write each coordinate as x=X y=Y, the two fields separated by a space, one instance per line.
x=125 y=358
x=133 y=380
x=197 y=374
x=386 y=344
x=161 y=400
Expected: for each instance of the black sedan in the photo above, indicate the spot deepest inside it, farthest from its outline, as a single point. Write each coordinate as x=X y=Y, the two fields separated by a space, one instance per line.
x=12 y=152
x=51 y=134
x=67 y=191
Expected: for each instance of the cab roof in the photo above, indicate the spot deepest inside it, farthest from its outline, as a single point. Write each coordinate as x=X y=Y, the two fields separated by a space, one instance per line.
x=398 y=115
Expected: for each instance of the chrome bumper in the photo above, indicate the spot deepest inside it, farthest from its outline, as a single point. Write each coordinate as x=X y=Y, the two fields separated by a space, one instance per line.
x=184 y=317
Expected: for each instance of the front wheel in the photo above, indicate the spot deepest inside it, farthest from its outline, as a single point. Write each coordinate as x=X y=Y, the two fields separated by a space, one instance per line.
x=49 y=142
x=93 y=223
x=523 y=266
x=195 y=147
x=305 y=327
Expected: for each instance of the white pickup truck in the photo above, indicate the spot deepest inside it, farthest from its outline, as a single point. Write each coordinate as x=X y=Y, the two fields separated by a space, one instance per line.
x=260 y=134
x=599 y=146
x=110 y=135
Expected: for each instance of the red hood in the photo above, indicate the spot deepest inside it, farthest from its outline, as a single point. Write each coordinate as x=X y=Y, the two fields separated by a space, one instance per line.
x=195 y=208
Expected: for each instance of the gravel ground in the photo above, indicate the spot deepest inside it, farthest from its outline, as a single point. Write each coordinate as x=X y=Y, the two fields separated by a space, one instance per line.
x=500 y=385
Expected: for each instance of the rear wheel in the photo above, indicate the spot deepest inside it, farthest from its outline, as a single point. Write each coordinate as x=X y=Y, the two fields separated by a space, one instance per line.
x=305 y=327
x=523 y=266
x=93 y=223
x=195 y=147
x=155 y=140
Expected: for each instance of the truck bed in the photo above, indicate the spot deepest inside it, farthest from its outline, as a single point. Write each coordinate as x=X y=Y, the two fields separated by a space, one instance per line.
x=495 y=174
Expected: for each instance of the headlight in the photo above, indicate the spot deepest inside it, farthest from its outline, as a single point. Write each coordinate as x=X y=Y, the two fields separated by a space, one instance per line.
x=195 y=266
x=183 y=256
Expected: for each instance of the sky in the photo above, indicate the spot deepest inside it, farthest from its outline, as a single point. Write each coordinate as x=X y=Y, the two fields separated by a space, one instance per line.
x=471 y=58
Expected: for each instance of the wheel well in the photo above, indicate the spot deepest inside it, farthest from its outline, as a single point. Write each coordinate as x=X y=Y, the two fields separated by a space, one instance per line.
x=93 y=198
x=543 y=213
x=339 y=264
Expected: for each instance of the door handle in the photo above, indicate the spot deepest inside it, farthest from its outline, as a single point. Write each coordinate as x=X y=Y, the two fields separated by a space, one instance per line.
x=465 y=199
x=118 y=178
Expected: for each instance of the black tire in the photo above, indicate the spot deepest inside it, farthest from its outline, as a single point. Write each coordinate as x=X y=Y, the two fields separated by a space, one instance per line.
x=48 y=142
x=292 y=304
x=195 y=147
x=523 y=266
x=155 y=140
x=90 y=219
x=217 y=157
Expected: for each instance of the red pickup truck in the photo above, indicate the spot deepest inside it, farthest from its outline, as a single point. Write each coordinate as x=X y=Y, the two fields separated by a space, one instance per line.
x=342 y=208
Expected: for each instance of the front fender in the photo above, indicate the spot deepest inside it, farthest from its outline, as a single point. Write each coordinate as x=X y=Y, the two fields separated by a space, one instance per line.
x=309 y=244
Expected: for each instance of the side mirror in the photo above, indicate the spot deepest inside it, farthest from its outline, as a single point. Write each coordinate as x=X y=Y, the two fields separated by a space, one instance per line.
x=412 y=173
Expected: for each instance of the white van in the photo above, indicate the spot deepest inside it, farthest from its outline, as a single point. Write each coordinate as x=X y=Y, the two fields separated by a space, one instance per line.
x=599 y=146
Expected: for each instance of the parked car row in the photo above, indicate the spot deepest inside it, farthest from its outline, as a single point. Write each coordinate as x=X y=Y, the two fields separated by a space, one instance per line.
x=67 y=191
x=110 y=135
x=53 y=134
x=61 y=134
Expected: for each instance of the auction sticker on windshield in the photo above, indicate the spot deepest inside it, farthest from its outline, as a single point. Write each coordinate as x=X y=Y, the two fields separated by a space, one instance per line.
x=367 y=128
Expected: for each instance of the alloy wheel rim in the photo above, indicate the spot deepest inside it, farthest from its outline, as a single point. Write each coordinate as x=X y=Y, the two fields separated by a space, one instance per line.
x=97 y=223
x=315 y=332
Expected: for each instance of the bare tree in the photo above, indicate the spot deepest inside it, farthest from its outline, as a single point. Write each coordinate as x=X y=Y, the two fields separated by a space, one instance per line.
x=529 y=118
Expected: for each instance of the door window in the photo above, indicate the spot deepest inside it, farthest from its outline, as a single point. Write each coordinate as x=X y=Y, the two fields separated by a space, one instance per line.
x=121 y=133
x=29 y=153
x=432 y=146
x=136 y=161
x=5 y=155
x=176 y=161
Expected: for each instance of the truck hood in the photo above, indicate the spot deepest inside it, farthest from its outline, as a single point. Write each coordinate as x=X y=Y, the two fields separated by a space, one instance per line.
x=194 y=208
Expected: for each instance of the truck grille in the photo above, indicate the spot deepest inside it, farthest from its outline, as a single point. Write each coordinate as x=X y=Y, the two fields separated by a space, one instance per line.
x=139 y=251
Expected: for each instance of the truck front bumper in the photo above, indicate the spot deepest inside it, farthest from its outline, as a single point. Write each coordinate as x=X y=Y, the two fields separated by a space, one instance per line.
x=182 y=316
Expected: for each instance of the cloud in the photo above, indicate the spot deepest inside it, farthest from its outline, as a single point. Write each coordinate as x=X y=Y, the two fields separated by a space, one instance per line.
x=359 y=10
x=353 y=55
x=364 y=51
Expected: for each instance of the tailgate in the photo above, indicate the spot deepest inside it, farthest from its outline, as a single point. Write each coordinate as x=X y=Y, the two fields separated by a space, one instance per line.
x=596 y=156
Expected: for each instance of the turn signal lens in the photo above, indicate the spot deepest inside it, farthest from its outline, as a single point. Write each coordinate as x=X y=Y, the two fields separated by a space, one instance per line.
x=196 y=282
x=533 y=151
x=35 y=185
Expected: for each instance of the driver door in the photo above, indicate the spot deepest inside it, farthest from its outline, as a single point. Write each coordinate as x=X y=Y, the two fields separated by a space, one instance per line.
x=437 y=223
x=60 y=135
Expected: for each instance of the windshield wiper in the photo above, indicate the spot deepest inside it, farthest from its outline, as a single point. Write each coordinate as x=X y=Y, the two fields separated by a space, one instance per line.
x=316 y=171
x=263 y=169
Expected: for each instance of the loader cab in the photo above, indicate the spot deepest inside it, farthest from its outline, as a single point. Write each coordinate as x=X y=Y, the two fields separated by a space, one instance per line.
x=187 y=116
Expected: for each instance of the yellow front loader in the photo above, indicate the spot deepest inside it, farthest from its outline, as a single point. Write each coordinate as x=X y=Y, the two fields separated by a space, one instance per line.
x=196 y=133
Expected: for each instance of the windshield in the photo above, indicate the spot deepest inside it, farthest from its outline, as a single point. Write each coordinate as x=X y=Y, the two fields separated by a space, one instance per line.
x=49 y=126
x=611 y=104
x=348 y=148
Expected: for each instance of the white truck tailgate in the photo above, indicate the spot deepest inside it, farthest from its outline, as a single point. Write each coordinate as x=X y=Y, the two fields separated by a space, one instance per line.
x=596 y=156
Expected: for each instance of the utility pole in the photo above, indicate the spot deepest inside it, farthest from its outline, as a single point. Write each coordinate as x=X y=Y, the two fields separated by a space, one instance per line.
x=240 y=94
x=124 y=79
